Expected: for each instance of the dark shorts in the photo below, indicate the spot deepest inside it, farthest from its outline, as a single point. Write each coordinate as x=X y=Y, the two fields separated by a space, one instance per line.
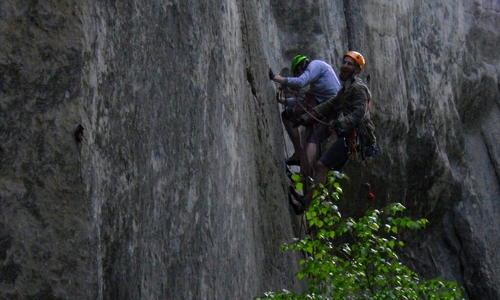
x=318 y=134
x=336 y=156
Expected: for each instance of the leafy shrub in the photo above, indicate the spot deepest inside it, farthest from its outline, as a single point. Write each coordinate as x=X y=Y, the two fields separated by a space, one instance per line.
x=364 y=267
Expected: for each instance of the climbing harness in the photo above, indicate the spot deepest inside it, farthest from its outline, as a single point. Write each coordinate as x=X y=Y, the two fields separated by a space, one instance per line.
x=306 y=107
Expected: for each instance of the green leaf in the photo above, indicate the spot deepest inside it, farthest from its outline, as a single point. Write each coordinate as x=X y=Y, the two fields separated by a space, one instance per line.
x=296 y=177
x=367 y=266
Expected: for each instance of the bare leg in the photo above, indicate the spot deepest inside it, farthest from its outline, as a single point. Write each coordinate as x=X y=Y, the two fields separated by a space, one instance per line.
x=320 y=172
x=312 y=152
x=293 y=133
x=337 y=155
x=309 y=159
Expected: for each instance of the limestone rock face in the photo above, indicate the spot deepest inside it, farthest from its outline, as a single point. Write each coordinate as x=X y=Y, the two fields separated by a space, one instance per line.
x=142 y=153
x=435 y=80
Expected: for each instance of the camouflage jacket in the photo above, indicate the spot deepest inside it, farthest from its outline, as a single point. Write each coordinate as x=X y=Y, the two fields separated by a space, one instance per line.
x=350 y=107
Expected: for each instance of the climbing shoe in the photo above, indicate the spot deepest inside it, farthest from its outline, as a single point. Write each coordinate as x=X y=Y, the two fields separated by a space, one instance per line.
x=296 y=201
x=293 y=160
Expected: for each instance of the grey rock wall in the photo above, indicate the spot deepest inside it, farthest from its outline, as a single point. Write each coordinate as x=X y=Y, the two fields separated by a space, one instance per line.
x=436 y=84
x=182 y=161
x=175 y=188
x=45 y=232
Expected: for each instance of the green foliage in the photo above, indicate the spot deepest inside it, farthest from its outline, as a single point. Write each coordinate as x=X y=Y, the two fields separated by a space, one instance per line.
x=356 y=259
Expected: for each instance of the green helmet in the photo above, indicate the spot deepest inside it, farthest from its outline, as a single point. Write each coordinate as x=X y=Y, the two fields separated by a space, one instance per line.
x=296 y=61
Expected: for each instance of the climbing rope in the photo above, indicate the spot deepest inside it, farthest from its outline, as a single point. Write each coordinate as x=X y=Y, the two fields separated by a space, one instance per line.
x=306 y=109
x=278 y=96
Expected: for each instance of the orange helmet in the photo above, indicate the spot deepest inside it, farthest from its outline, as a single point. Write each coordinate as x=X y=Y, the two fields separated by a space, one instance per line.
x=357 y=58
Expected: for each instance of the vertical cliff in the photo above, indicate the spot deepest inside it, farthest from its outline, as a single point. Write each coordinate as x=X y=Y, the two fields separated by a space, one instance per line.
x=142 y=154
x=435 y=80
x=183 y=156
x=45 y=228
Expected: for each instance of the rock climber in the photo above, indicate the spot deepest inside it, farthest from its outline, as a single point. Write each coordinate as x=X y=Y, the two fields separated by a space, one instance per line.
x=350 y=114
x=323 y=85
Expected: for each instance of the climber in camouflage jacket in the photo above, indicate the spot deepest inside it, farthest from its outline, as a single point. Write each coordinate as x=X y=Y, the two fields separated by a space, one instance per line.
x=350 y=108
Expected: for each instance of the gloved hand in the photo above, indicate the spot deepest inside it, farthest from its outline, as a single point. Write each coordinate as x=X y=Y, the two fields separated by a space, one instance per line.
x=340 y=132
x=299 y=121
x=336 y=123
x=304 y=119
x=271 y=74
x=337 y=127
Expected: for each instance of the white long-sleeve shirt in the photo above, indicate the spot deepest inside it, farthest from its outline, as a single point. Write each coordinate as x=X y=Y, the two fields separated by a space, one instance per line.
x=322 y=81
